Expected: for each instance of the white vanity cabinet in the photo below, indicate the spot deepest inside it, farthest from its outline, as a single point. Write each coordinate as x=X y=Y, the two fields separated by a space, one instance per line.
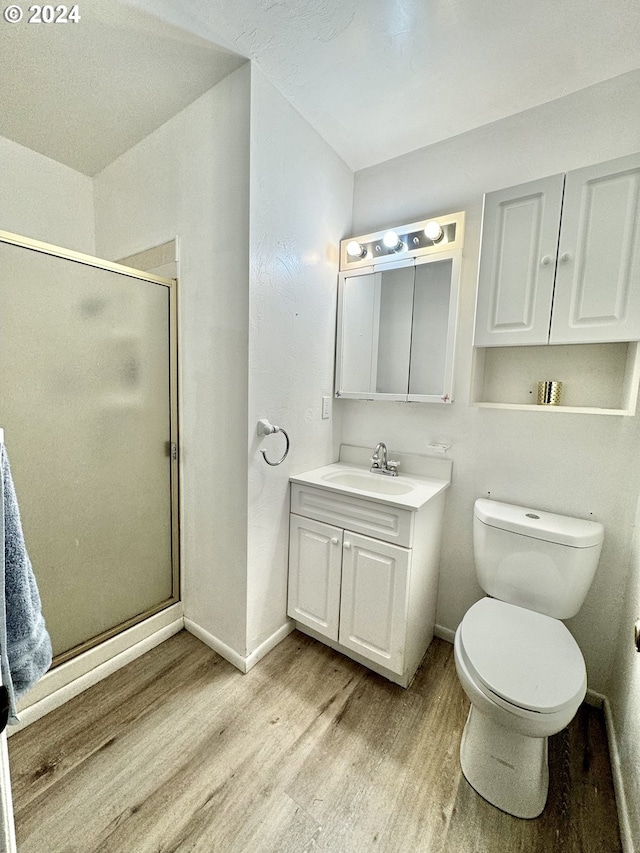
x=363 y=577
x=560 y=259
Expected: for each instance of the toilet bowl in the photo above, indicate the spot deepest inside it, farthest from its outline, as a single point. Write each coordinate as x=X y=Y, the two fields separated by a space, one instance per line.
x=517 y=662
x=525 y=677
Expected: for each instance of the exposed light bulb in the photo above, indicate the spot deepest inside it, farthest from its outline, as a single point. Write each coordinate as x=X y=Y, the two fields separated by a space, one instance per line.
x=392 y=241
x=355 y=249
x=433 y=231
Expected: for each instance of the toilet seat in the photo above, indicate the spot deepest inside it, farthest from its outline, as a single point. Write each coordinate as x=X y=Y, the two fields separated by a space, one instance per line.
x=522 y=657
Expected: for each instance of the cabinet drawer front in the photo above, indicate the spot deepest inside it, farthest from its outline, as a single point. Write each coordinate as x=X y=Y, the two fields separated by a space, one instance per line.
x=378 y=520
x=315 y=560
x=373 y=611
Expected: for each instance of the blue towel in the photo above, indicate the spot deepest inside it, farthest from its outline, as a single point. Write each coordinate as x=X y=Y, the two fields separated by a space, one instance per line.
x=25 y=646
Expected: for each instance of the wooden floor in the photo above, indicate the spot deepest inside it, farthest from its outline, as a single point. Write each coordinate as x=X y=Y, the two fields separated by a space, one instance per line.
x=307 y=752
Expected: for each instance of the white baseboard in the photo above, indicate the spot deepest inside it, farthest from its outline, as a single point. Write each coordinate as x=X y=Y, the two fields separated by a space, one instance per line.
x=444 y=633
x=628 y=844
x=596 y=700
x=599 y=700
x=244 y=664
x=217 y=645
x=270 y=643
x=74 y=677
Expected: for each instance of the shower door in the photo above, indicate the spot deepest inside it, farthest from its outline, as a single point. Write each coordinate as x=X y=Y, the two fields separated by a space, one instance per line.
x=88 y=404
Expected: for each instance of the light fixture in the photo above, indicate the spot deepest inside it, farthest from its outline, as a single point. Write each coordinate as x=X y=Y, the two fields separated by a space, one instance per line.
x=392 y=241
x=356 y=250
x=399 y=243
x=433 y=231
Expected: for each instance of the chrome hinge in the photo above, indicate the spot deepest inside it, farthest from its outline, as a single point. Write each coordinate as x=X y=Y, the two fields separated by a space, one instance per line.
x=174 y=450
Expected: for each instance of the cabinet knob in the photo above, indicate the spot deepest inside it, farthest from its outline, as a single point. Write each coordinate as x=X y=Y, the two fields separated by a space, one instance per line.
x=546 y=260
x=565 y=257
x=347 y=545
x=334 y=541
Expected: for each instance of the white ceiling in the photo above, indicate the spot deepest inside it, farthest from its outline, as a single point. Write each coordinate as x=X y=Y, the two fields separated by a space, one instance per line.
x=376 y=78
x=84 y=93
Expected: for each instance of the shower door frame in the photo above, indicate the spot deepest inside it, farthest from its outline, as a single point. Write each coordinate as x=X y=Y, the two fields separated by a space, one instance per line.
x=173 y=450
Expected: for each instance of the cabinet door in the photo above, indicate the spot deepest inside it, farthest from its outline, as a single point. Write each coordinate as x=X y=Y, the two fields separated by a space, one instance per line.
x=315 y=556
x=373 y=611
x=597 y=295
x=520 y=228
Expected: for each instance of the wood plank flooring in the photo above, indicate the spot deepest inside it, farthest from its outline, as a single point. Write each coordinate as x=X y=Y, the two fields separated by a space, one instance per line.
x=309 y=751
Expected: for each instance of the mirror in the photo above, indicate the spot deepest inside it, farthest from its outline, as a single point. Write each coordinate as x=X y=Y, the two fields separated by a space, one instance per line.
x=376 y=333
x=396 y=330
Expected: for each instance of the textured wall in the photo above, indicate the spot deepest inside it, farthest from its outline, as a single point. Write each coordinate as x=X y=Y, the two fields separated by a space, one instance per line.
x=624 y=690
x=191 y=179
x=573 y=464
x=45 y=200
x=301 y=195
x=267 y=345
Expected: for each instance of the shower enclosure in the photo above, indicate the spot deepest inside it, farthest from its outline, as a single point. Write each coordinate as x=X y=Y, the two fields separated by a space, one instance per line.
x=88 y=402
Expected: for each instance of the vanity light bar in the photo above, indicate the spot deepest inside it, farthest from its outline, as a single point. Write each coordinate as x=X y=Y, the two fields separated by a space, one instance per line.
x=438 y=234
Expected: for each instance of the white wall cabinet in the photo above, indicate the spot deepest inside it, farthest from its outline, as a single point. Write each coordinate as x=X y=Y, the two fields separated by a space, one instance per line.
x=560 y=259
x=363 y=577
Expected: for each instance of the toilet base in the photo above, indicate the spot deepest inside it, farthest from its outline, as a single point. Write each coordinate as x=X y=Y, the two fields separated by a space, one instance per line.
x=508 y=769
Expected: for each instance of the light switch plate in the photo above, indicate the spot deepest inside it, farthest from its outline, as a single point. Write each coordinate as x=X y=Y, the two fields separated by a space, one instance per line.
x=326 y=407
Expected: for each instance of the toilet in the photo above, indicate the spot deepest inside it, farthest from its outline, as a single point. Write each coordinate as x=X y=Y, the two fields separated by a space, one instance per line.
x=517 y=662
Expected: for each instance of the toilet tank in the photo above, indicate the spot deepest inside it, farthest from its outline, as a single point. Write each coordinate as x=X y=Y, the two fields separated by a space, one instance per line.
x=535 y=559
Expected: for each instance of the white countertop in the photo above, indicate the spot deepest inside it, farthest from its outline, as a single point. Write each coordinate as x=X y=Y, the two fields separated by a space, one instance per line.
x=409 y=491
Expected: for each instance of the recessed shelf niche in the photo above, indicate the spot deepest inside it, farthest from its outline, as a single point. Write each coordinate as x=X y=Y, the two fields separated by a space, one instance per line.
x=597 y=378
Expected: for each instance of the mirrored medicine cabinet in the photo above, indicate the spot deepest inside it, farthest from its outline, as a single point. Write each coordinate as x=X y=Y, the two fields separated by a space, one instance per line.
x=397 y=313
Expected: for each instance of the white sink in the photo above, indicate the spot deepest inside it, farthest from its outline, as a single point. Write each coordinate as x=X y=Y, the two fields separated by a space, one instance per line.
x=406 y=490
x=368 y=482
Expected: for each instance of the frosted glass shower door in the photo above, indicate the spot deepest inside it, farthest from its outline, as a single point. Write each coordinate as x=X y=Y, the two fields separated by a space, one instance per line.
x=87 y=401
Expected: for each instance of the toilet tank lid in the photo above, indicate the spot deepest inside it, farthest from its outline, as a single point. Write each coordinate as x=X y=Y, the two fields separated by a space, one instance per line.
x=562 y=529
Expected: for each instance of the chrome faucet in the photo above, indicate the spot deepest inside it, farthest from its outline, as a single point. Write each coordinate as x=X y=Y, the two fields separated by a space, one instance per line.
x=380 y=464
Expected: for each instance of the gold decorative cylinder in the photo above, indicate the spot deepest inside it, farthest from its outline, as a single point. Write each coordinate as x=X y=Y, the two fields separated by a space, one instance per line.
x=549 y=393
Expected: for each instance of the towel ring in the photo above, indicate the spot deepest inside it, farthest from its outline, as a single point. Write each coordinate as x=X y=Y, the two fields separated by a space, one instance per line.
x=265 y=428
